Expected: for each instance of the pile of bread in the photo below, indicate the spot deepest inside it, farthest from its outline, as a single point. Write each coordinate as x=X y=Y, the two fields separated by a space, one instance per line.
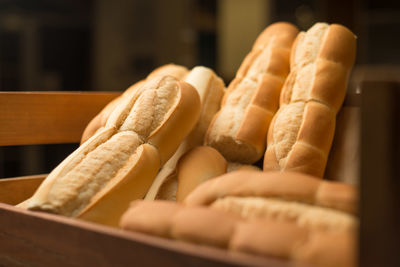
x=174 y=155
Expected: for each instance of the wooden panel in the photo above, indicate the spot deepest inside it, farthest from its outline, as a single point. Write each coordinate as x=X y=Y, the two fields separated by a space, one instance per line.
x=18 y=189
x=47 y=117
x=344 y=158
x=380 y=172
x=39 y=239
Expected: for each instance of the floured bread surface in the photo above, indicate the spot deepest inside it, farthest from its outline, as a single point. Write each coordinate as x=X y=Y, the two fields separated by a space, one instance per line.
x=153 y=106
x=98 y=122
x=287 y=124
x=239 y=130
x=301 y=134
x=72 y=191
x=304 y=215
x=307 y=50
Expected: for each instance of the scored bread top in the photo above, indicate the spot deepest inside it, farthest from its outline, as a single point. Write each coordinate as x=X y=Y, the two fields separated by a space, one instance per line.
x=305 y=215
x=99 y=121
x=321 y=61
x=154 y=105
x=238 y=130
x=112 y=156
x=154 y=111
x=287 y=186
x=302 y=130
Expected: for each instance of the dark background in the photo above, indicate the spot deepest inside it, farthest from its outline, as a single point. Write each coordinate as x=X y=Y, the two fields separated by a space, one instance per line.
x=108 y=45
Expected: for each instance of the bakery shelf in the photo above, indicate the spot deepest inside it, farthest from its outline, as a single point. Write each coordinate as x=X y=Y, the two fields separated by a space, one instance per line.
x=39 y=239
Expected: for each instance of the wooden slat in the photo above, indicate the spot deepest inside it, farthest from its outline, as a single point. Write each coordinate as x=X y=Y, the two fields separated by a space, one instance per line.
x=380 y=172
x=18 y=189
x=344 y=158
x=47 y=117
x=38 y=239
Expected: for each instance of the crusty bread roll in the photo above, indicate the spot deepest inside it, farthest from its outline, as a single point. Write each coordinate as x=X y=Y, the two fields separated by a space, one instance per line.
x=288 y=196
x=197 y=166
x=239 y=129
x=217 y=228
x=211 y=89
x=119 y=163
x=99 y=121
x=301 y=132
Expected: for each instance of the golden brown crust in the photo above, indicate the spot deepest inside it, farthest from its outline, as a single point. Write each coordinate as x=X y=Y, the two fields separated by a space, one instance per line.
x=99 y=120
x=177 y=71
x=158 y=222
x=212 y=227
x=275 y=32
x=328 y=249
x=312 y=95
x=197 y=166
x=288 y=186
x=112 y=201
x=187 y=226
x=238 y=131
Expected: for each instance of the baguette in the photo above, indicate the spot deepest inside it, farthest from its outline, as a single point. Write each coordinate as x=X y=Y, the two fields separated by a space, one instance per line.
x=238 y=131
x=99 y=121
x=211 y=89
x=216 y=228
x=301 y=132
x=118 y=164
x=293 y=197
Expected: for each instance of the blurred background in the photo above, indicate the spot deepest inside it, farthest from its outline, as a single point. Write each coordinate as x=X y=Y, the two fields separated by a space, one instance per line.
x=102 y=45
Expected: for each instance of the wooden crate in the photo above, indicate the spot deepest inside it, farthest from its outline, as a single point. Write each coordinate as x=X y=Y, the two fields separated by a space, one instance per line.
x=38 y=239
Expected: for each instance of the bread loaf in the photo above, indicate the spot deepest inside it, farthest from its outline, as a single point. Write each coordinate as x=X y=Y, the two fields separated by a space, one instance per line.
x=211 y=89
x=118 y=164
x=239 y=129
x=289 y=196
x=301 y=132
x=99 y=121
x=207 y=226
